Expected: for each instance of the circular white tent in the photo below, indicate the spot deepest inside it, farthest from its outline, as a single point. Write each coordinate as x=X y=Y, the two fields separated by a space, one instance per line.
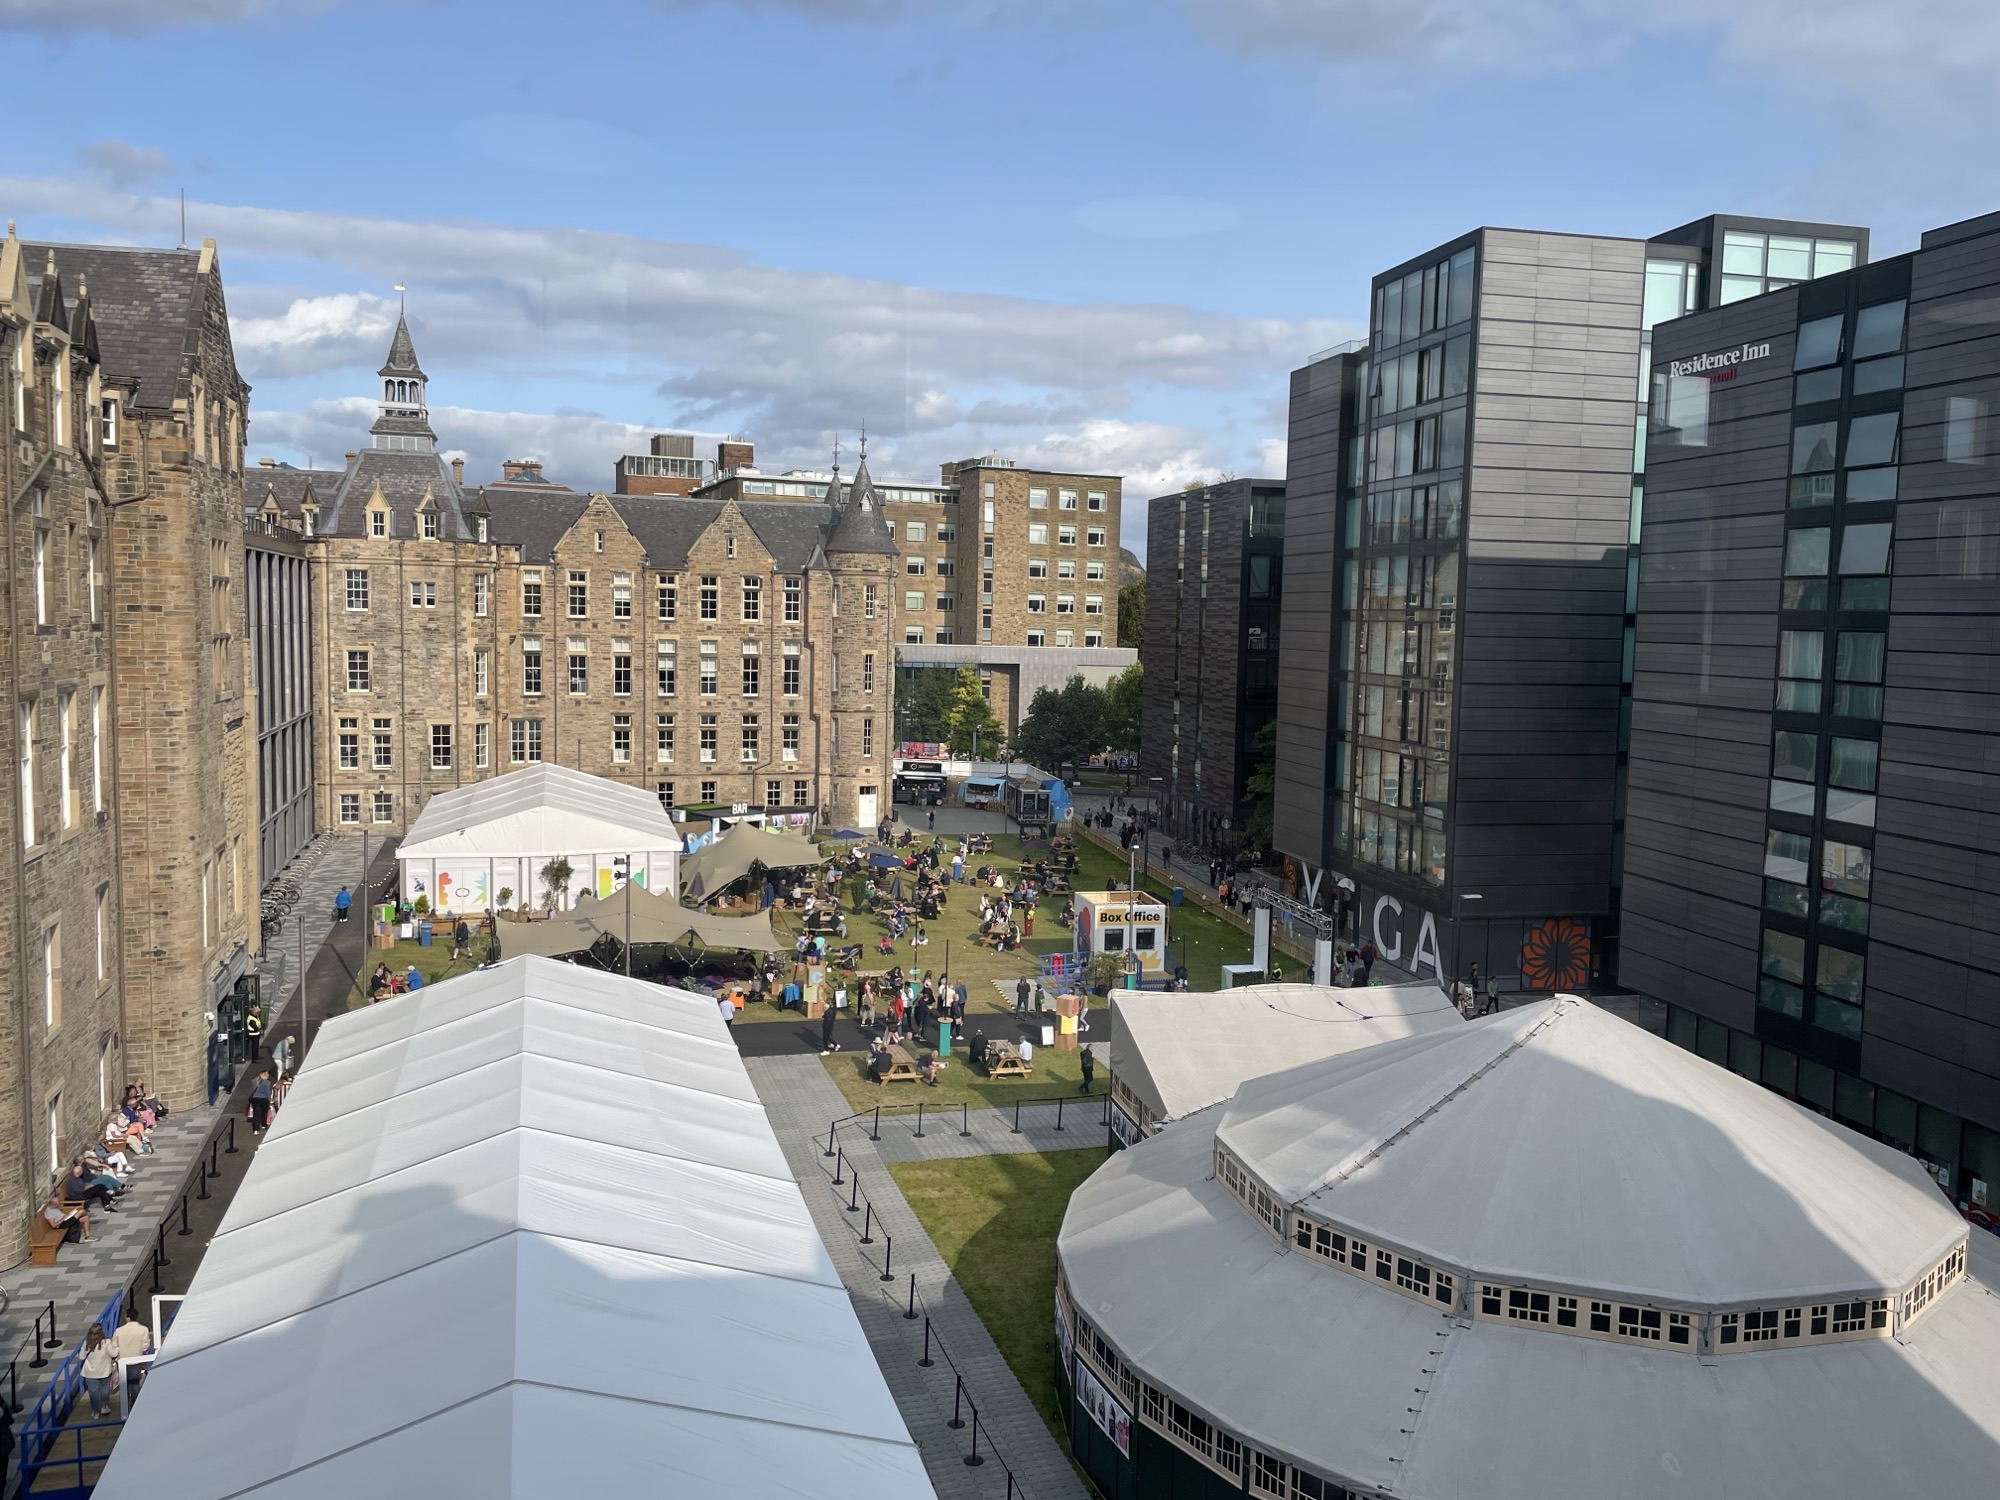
x=1543 y=1253
x=471 y=843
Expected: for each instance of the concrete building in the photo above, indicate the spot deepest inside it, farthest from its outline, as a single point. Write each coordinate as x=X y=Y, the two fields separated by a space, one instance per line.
x=1461 y=504
x=1012 y=571
x=1214 y=592
x=1809 y=881
x=669 y=468
x=716 y=651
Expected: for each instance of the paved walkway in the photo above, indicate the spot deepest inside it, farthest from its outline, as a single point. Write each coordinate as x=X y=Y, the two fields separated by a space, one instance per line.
x=801 y=1099
x=980 y=1132
x=329 y=862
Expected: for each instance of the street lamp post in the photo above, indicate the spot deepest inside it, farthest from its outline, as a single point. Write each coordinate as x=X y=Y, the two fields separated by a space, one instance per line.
x=624 y=862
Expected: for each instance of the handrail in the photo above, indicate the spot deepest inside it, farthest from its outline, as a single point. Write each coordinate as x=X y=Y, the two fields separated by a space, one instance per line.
x=47 y=1420
x=962 y=1402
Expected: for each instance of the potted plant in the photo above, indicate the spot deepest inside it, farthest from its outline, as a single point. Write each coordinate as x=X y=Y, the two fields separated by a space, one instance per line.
x=555 y=880
x=506 y=894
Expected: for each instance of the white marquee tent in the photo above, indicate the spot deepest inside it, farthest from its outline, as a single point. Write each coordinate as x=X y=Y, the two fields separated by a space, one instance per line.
x=1177 y=1053
x=473 y=842
x=522 y=1233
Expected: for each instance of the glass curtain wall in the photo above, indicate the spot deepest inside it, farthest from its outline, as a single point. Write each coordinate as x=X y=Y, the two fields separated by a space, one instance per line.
x=1402 y=584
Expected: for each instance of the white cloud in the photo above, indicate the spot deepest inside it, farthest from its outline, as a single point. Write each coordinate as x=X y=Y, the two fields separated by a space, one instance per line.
x=701 y=335
x=315 y=333
x=122 y=163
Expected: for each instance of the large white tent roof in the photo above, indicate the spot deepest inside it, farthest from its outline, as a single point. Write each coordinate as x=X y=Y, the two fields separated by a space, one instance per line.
x=1558 y=1144
x=541 y=810
x=1563 y=1137
x=1184 y=1052
x=526 y=1232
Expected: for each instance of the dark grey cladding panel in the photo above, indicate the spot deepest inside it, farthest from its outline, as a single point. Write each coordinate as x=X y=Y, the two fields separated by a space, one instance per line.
x=1660 y=629
x=1501 y=735
x=1702 y=828
x=1940 y=1072
x=1710 y=660
x=1669 y=722
x=1949 y=710
x=1926 y=745
x=1958 y=863
x=1671 y=594
x=1723 y=882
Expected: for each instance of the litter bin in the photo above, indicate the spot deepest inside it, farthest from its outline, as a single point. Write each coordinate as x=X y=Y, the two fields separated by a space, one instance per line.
x=944 y=1036
x=423 y=934
x=1180 y=893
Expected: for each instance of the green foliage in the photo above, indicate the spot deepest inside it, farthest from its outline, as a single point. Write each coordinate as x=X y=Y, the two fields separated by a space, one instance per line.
x=555 y=879
x=924 y=703
x=506 y=894
x=1124 y=696
x=1063 y=726
x=971 y=723
x=421 y=906
x=1132 y=613
x=1260 y=785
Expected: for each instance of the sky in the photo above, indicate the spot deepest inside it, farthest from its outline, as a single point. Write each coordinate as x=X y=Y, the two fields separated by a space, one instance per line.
x=1085 y=234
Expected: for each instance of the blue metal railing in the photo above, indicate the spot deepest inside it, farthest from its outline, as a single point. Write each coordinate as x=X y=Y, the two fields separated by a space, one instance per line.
x=47 y=1422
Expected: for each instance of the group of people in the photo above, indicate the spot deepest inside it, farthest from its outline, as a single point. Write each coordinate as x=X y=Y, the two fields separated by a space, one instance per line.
x=1475 y=996
x=1353 y=967
x=97 y=1178
x=107 y=1355
x=385 y=982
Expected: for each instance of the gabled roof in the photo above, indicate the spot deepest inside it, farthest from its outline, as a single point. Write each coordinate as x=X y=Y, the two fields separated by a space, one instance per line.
x=668 y=525
x=146 y=305
x=289 y=486
x=541 y=810
x=525 y=1233
x=404 y=480
x=534 y=518
x=860 y=527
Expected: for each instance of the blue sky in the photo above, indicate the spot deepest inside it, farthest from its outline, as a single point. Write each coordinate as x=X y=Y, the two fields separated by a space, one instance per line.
x=1086 y=233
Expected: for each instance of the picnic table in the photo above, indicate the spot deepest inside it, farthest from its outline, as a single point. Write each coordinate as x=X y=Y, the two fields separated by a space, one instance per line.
x=1003 y=1060
x=900 y=1065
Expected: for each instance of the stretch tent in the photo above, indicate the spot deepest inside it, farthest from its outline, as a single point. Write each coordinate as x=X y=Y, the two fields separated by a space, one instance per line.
x=471 y=843
x=648 y=918
x=729 y=857
x=1173 y=1054
x=523 y=1233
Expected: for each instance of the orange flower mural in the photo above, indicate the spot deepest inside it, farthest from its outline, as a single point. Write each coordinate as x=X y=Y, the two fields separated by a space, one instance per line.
x=1555 y=955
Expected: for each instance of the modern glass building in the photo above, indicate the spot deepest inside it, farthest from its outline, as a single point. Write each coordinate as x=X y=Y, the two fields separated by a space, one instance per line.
x=1464 y=502
x=1811 y=882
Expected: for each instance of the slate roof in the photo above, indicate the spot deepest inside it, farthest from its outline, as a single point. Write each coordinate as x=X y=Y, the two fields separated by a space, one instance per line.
x=535 y=518
x=667 y=525
x=404 y=478
x=288 y=485
x=860 y=527
x=144 y=305
x=402 y=353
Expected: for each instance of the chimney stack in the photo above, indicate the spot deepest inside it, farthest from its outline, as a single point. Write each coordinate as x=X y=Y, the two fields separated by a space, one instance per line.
x=458 y=471
x=734 y=454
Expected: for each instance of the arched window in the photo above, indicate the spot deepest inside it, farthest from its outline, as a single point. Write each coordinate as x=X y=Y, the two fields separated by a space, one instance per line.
x=388 y=390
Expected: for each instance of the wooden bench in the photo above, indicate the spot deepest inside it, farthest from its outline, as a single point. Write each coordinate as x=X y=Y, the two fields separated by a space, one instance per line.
x=902 y=1067
x=1003 y=1060
x=44 y=1238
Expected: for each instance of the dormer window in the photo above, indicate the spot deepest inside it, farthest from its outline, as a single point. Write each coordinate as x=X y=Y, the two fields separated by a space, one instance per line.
x=430 y=524
x=479 y=525
x=378 y=521
x=310 y=514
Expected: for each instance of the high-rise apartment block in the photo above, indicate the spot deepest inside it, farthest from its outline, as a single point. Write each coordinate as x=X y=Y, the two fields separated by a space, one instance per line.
x=1463 y=500
x=1214 y=593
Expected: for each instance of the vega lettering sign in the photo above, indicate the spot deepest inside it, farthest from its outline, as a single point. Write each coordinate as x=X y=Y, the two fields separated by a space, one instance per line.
x=1391 y=927
x=1719 y=364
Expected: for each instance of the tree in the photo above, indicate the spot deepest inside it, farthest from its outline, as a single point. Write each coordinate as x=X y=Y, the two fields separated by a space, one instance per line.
x=924 y=703
x=1124 y=696
x=1260 y=785
x=555 y=879
x=1062 y=726
x=1132 y=614
x=970 y=726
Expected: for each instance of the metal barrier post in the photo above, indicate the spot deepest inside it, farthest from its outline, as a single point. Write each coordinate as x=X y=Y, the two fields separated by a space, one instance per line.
x=868 y=1225
x=912 y=1313
x=1017 y=1117
x=184 y=1216
x=957 y=1395
x=876 y=1133
x=972 y=1459
x=888 y=1251
x=54 y=1341
x=160 y=1257
x=854 y=1192
x=831 y=1126
x=964 y=1119
x=920 y=1119
x=926 y=1362
x=214 y=1146
x=839 y=1164
x=231 y=1151
x=201 y=1176
x=1059 y=1105
x=40 y=1358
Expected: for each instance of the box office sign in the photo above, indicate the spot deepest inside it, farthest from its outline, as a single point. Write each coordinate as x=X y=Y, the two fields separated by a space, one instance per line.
x=1103 y=1408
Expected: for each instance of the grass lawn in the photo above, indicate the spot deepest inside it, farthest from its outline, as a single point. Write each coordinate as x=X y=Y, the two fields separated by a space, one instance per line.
x=434 y=962
x=994 y=1220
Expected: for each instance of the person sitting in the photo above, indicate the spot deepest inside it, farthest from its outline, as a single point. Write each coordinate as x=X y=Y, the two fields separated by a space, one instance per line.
x=979 y=1048
x=918 y=938
x=78 y=1188
x=150 y=1100
x=412 y=979
x=932 y=1066
x=885 y=944
x=1067 y=916
x=379 y=982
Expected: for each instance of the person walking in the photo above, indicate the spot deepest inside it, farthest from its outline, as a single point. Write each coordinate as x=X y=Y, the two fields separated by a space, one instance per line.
x=1089 y=1061
x=461 y=939
x=342 y=899
x=827 y=1045
x=260 y=1102
x=285 y=1056
x=253 y=1032
x=1028 y=923
x=1021 y=997
x=930 y=819
x=1477 y=991
x=131 y=1343
x=100 y=1364
x=1366 y=953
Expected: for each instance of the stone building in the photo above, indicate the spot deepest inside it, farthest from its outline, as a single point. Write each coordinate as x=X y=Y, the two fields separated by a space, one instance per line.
x=717 y=652
x=1013 y=571
x=62 y=1046
x=171 y=422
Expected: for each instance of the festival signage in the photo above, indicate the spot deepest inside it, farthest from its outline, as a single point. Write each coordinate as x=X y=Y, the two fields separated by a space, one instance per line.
x=1104 y=1408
